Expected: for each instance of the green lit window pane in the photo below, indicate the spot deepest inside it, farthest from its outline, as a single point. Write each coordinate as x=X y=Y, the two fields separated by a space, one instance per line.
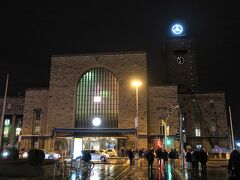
x=97 y=96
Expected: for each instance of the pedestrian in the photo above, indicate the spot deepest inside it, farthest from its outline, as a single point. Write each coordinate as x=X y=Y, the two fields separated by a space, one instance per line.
x=234 y=165
x=122 y=151
x=159 y=155
x=130 y=156
x=150 y=158
x=203 y=157
x=195 y=158
x=136 y=157
x=140 y=152
x=165 y=157
x=188 y=159
x=172 y=157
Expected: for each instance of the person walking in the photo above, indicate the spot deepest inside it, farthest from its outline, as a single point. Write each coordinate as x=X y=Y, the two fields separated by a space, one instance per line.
x=203 y=157
x=122 y=151
x=195 y=158
x=172 y=157
x=165 y=157
x=188 y=159
x=234 y=165
x=150 y=158
x=130 y=156
x=159 y=155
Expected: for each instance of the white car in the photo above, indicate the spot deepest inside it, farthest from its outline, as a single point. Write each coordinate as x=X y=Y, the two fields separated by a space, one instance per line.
x=48 y=155
x=110 y=153
x=96 y=155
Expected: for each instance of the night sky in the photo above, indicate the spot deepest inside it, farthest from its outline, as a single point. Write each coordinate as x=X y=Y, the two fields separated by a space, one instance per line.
x=31 y=31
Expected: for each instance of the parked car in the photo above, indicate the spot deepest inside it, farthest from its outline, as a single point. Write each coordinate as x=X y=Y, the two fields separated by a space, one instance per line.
x=48 y=155
x=110 y=153
x=96 y=155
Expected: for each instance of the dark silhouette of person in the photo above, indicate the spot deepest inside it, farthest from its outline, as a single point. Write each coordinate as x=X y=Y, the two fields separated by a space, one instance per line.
x=203 y=157
x=172 y=156
x=159 y=154
x=150 y=158
x=165 y=157
x=234 y=165
x=130 y=156
x=195 y=159
x=188 y=159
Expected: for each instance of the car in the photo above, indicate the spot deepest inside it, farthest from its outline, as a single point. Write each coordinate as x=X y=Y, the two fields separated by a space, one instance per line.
x=96 y=155
x=110 y=153
x=48 y=155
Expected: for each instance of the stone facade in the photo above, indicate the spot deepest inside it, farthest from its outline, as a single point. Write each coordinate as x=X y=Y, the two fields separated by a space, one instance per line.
x=155 y=105
x=66 y=72
x=160 y=98
x=13 y=111
x=210 y=110
x=183 y=74
x=34 y=99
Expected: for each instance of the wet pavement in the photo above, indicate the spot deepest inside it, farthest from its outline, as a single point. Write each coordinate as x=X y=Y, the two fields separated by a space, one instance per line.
x=117 y=169
x=123 y=171
x=215 y=170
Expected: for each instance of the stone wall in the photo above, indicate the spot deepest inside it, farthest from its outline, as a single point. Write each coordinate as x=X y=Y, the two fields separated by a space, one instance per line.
x=66 y=72
x=162 y=97
x=202 y=104
x=34 y=99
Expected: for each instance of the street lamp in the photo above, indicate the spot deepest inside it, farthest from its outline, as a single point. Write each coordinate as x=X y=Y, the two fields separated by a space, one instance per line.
x=136 y=84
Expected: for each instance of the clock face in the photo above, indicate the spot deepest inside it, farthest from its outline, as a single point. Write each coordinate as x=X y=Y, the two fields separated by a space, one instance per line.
x=180 y=60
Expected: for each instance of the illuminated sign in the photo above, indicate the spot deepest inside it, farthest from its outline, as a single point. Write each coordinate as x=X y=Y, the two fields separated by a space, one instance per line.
x=177 y=29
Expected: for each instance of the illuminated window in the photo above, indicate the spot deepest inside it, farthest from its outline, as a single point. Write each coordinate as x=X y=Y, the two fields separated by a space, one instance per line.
x=18 y=131
x=162 y=129
x=197 y=132
x=36 y=121
x=97 y=96
x=7 y=122
x=5 y=132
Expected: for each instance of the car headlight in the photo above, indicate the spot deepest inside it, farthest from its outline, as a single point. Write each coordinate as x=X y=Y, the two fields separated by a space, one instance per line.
x=5 y=154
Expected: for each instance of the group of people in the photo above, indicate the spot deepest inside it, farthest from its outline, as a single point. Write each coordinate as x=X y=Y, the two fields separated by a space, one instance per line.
x=194 y=156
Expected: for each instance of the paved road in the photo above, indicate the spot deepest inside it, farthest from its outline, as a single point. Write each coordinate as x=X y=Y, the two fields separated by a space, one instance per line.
x=121 y=170
x=215 y=170
x=125 y=171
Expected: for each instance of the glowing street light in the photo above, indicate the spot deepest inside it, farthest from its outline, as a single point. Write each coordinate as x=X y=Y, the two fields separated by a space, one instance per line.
x=96 y=121
x=136 y=84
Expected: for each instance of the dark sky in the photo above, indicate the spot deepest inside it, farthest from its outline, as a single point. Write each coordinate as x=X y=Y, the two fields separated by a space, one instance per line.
x=31 y=31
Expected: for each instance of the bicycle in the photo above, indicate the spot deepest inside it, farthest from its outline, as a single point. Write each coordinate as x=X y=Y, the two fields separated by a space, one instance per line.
x=58 y=168
x=75 y=166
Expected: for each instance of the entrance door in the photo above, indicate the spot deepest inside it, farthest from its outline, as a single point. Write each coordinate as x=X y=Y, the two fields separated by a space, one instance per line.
x=95 y=145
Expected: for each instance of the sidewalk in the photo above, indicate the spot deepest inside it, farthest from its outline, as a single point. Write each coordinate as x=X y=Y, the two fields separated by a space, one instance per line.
x=216 y=169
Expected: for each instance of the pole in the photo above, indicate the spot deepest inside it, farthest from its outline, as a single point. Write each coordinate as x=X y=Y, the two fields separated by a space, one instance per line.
x=181 y=138
x=3 y=110
x=136 y=141
x=230 y=116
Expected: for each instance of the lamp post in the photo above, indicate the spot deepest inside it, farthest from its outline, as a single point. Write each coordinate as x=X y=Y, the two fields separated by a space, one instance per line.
x=136 y=84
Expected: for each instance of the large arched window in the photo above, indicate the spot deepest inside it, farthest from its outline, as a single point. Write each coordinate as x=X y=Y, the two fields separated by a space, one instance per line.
x=97 y=97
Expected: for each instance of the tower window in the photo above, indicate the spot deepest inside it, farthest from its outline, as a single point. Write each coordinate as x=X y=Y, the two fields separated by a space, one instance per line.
x=197 y=132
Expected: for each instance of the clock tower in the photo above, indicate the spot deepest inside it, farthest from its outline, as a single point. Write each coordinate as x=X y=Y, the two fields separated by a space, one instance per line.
x=181 y=64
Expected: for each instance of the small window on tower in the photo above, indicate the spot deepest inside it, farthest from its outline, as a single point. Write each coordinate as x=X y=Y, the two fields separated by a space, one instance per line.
x=197 y=132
